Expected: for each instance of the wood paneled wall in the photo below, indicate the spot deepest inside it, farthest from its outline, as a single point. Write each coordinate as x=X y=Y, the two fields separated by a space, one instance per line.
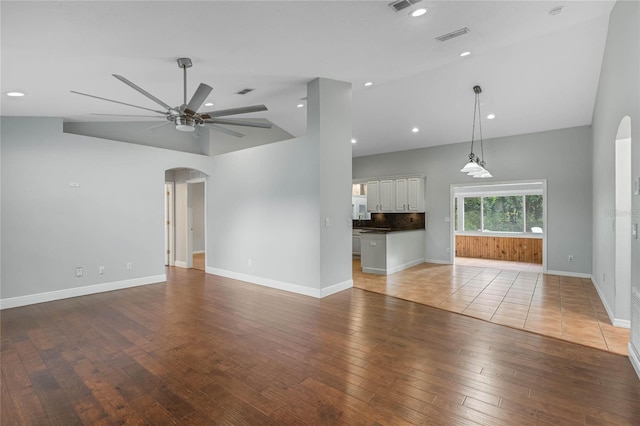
x=500 y=248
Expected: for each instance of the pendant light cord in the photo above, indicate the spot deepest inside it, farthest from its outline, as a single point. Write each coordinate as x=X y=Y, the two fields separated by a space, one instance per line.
x=473 y=129
x=480 y=127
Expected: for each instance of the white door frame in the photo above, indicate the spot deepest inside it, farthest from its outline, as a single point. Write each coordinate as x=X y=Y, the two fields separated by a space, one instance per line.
x=189 y=230
x=169 y=229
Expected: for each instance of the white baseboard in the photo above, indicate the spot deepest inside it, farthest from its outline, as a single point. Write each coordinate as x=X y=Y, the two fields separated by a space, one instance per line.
x=14 y=302
x=198 y=252
x=438 y=261
x=180 y=264
x=634 y=357
x=376 y=271
x=379 y=271
x=568 y=274
x=281 y=285
x=615 y=321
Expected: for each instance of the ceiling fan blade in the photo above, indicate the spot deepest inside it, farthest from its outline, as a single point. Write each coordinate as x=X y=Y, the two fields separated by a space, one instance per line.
x=233 y=111
x=223 y=130
x=131 y=115
x=158 y=125
x=117 y=102
x=197 y=99
x=141 y=90
x=232 y=122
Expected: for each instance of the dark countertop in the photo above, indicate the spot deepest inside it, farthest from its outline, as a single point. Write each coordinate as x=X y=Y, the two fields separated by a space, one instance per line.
x=380 y=230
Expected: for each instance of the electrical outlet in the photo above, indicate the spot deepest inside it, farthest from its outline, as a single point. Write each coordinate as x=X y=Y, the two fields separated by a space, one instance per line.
x=129 y=266
x=101 y=270
x=79 y=271
x=570 y=258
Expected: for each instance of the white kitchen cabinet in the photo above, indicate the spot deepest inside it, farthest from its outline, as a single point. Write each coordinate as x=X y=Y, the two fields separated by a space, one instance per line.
x=401 y=195
x=409 y=195
x=387 y=192
x=373 y=196
x=415 y=195
x=396 y=195
x=380 y=195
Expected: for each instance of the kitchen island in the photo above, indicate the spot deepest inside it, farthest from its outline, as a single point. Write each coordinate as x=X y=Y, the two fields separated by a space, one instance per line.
x=384 y=252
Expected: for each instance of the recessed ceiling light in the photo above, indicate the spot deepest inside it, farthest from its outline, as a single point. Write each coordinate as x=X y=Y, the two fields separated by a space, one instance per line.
x=556 y=10
x=415 y=130
x=353 y=141
x=418 y=12
x=368 y=83
x=209 y=104
x=467 y=53
x=300 y=105
x=15 y=94
x=491 y=116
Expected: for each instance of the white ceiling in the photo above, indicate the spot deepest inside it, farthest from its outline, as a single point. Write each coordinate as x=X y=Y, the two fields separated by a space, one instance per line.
x=537 y=71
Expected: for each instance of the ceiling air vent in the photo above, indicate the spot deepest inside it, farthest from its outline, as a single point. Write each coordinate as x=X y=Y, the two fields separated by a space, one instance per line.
x=244 y=91
x=454 y=34
x=402 y=4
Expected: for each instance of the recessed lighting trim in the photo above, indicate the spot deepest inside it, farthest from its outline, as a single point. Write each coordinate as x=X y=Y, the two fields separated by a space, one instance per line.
x=491 y=116
x=415 y=130
x=418 y=12
x=467 y=53
x=300 y=105
x=209 y=104
x=353 y=140
x=15 y=94
x=368 y=83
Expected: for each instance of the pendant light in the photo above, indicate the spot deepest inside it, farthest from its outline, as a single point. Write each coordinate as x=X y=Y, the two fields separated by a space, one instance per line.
x=476 y=165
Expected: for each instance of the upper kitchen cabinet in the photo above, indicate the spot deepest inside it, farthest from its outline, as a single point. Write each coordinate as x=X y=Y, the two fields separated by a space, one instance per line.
x=396 y=195
x=415 y=194
x=381 y=195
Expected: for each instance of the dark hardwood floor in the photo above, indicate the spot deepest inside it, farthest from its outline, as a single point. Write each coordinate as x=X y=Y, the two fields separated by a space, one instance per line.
x=203 y=350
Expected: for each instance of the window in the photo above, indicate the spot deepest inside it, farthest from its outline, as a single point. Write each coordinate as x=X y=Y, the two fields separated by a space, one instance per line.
x=473 y=214
x=520 y=213
x=503 y=214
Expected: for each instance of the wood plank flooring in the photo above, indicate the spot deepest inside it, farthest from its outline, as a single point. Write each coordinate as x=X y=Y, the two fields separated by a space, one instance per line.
x=205 y=350
x=566 y=308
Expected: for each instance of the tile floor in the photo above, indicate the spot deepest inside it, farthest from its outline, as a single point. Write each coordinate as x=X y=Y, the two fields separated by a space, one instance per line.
x=522 y=297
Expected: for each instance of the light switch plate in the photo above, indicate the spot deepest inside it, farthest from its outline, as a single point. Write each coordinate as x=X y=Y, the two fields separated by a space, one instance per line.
x=636 y=186
x=634 y=231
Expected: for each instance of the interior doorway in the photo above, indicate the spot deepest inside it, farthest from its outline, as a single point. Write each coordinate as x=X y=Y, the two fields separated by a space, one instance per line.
x=187 y=227
x=198 y=253
x=623 y=219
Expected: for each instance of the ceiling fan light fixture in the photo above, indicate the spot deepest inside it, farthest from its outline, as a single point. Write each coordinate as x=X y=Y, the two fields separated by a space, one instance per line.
x=185 y=124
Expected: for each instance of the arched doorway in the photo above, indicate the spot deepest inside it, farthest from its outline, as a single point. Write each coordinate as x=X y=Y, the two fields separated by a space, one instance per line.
x=623 y=217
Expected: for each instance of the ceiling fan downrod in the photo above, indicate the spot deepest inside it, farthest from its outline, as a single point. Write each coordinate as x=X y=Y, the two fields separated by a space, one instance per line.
x=184 y=63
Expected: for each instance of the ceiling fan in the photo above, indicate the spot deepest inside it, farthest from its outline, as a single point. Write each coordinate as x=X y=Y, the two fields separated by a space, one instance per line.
x=186 y=117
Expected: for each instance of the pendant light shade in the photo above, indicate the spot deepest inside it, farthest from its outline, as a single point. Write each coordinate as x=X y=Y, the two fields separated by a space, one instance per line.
x=471 y=167
x=476 y=165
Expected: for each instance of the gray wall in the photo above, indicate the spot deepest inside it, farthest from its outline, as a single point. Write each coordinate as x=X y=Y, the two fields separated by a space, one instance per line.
x=268 y=205
x=264 y=211
x=114 y=217
x=618 y=96
x=562 y=157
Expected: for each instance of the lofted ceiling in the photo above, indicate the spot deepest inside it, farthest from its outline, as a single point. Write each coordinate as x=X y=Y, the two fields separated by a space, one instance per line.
x=538 y=71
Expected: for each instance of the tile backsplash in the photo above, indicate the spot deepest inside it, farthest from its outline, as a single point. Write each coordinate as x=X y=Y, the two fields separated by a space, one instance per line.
x=395 y=221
